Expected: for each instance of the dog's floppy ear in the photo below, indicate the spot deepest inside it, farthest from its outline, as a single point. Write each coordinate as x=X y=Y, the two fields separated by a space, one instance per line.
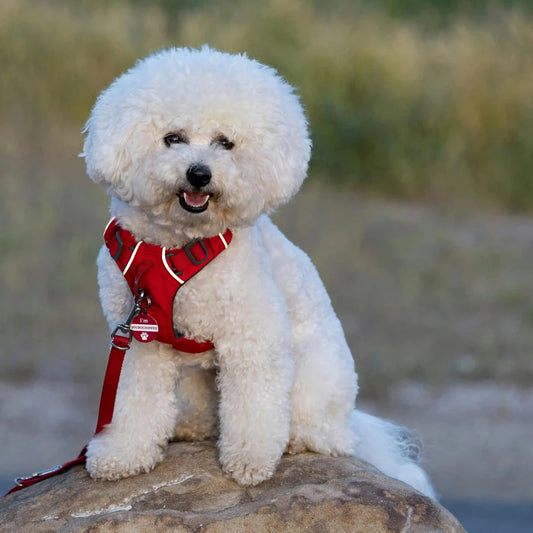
x=284 y=157
x=105 y=154
x=291 y=161
x=110 y=147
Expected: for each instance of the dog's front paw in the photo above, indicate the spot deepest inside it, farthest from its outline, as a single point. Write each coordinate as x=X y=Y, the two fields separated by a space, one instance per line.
x=111 y=460
x=249 y=465
x=249 y=473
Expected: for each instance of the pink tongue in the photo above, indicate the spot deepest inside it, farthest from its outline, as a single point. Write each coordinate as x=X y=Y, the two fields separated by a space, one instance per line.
x=196 y=199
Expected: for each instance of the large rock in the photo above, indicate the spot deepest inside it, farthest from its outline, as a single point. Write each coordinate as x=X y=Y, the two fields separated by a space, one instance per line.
x=188 y=492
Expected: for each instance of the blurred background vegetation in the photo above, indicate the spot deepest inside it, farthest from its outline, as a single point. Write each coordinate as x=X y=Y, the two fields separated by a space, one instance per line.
x=422 y=121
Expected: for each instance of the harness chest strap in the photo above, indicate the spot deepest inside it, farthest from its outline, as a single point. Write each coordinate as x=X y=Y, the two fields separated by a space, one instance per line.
x=160 y=272
x=120 y=343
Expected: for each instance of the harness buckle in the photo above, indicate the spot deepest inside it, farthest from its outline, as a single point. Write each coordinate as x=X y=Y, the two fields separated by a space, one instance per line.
x=125 y=327
x=129 y=335
x=190 y=255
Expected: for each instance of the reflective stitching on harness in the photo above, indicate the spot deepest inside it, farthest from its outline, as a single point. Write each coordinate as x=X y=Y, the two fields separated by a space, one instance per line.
x=169 y=270
x=223 y=240
x=109 y=224
x=131 y=258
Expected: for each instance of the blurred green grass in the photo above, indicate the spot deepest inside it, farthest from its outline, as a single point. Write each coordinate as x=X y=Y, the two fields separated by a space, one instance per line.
x=418 y=101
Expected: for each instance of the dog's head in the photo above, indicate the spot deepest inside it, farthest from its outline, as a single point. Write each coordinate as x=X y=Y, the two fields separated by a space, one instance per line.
x=199 y=139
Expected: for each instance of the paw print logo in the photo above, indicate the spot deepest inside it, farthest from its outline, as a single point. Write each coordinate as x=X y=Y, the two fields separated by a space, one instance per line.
x=144 y=336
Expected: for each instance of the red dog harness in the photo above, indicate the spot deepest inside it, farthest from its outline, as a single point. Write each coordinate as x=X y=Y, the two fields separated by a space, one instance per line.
x=159 y=273
x=154 y=274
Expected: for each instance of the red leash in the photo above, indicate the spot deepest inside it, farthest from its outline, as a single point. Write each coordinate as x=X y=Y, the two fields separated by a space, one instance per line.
x=162 y=272
x=119 y=346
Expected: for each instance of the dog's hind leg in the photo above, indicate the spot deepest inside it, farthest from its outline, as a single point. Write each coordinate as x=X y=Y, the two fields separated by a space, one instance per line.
x=144 y=416
x=325 y=382
x=323 y=418
x=323 y=394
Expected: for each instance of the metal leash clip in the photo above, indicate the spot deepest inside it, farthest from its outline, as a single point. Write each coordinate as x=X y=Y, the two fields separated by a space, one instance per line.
x=19 y=480
x=125 y=327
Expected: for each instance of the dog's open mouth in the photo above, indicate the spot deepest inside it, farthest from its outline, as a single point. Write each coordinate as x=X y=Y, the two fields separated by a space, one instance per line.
x=194 y=201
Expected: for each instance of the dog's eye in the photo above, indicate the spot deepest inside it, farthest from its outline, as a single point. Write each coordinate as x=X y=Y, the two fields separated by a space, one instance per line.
x=175 y=138
x=224 y=142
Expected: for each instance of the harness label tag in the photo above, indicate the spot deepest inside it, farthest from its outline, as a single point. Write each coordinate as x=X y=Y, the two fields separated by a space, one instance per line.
x=144 y=328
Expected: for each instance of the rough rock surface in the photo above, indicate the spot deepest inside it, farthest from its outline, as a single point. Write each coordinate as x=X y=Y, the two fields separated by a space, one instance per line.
x=188 y=492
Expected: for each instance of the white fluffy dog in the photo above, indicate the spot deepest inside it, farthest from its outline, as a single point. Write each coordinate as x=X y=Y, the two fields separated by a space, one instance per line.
x=188 y=144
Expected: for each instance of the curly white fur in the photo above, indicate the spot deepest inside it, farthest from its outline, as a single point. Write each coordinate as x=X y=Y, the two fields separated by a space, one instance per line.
x=285 y=378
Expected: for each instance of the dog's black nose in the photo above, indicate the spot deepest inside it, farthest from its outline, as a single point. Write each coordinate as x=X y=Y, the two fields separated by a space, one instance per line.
x=198 y=175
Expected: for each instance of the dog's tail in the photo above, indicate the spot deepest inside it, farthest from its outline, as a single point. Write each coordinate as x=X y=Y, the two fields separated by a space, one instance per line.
x=390 y=448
